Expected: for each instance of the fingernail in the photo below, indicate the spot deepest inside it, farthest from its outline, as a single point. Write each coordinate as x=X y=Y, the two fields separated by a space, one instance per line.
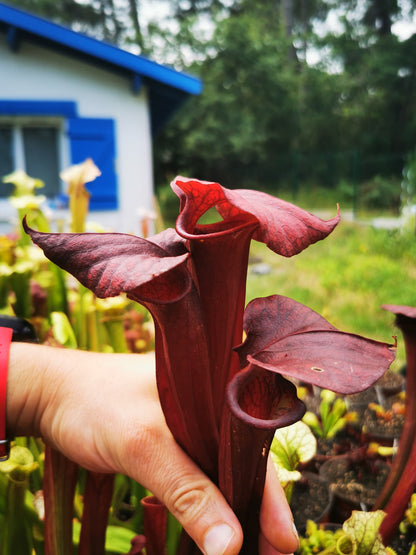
x=295 y=530
x=218 y=539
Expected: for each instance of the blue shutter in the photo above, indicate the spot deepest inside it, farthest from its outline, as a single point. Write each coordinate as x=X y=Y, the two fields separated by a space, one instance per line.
x=95 y=138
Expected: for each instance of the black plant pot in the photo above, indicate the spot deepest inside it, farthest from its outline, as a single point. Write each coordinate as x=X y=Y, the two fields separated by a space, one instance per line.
x=355 y=484
x=311 y=500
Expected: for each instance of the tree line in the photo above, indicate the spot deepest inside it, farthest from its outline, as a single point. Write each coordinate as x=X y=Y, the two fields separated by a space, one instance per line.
x=268 y=115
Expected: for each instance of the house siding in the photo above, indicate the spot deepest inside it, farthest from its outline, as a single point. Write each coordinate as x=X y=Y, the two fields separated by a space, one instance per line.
x=35 y=73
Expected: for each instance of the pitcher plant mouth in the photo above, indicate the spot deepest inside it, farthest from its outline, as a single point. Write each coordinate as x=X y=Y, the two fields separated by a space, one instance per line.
x=216 y=229
x=256 y=408
x=223 y=398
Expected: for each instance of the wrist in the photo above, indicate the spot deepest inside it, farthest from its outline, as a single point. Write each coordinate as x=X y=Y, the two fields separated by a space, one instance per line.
x=28 y=389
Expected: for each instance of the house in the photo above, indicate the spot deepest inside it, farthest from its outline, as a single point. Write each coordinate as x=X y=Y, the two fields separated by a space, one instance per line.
x=65 y=97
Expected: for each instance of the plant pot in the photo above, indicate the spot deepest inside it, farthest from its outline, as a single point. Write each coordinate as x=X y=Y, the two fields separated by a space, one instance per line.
x=388 y=385
x=358 y=402
x=355 y=481
x=402 y=543
x=311 y=500
x=383 y=431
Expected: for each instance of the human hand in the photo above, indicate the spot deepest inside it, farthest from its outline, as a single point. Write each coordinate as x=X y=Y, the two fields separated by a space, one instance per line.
x=103 y=412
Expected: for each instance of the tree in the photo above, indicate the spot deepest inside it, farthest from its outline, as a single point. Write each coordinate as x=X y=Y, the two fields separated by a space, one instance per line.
x=255 y=108
x=263 y=106
x=103 y=19
x=379 y=15
x=379 y=80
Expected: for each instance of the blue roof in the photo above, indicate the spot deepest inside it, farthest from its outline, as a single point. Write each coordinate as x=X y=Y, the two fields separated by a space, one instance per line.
x=168 y=87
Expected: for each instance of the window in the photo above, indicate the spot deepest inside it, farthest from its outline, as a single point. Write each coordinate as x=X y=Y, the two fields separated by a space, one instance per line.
x=44 y=137
x=6 y=157
x=34 y=147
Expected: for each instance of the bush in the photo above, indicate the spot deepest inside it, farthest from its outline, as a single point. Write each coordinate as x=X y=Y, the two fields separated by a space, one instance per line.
x=380 y=193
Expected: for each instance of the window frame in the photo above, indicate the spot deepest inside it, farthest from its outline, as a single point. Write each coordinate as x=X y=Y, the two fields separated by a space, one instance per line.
x=64 y=112
x=17 y=123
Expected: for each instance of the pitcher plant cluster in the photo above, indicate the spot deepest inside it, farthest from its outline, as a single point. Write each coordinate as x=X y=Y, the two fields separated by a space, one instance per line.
x=223 y=370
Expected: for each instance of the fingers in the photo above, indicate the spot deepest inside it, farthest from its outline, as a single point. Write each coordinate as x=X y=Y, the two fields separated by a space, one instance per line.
x=276 y=521
x=265 y=548
x=201 y=509
x=149 y=453
x=119 y=427
x=192 y=498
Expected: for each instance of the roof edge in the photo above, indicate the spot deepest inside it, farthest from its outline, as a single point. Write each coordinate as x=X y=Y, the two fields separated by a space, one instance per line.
x=35 y=25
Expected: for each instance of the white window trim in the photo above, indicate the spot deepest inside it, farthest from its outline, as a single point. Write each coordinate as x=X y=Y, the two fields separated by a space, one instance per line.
x=7 y=212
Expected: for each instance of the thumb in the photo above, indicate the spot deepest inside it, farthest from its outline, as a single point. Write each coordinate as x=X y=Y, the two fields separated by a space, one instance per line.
x=202 y=510
x=199 y=506
x=276 y=521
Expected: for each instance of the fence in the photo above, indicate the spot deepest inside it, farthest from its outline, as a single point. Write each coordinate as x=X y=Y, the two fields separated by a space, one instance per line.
x=370 y=180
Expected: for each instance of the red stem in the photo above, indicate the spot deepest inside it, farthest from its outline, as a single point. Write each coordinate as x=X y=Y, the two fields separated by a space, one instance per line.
x=155 y=519
x=183 y=378
x=59 y=481
x=220 y=262
x=97 y=501
x=401 y=482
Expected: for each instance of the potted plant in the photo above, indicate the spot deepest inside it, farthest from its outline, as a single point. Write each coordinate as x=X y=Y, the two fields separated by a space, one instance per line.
x=308 y=494
x=358 y=534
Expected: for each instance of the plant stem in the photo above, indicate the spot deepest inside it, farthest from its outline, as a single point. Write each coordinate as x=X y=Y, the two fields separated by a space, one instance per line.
x=155 y=525
x=60 y=477
x=17 y=537
x=401 y=481
x=97 y=501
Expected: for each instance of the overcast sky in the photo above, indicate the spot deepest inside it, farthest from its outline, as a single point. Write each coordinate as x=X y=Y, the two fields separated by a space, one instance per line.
x=153 y=10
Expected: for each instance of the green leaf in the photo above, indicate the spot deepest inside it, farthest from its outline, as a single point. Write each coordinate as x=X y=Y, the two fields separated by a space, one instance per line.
x=20 y=463
x=62 y=330
x=337 y=427
x=363 y=530
x=285 y=476
x=117 y=539
x=310 y=419
x=293 y=444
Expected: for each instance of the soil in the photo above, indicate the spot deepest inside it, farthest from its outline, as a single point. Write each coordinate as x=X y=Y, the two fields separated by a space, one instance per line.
x=355 y=485
x=361 y=486
x=311 y=500
x=326 y=449
x=390 y=383
x=357 y=400
x=402 y=543
x=380 y=428
x=344 y=442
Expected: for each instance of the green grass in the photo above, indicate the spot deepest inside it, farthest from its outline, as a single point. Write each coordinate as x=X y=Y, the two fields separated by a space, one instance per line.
x=346 y=278
x=312 y=197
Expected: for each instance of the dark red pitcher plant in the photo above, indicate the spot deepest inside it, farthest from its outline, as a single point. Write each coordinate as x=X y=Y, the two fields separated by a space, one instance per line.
x=224 y=398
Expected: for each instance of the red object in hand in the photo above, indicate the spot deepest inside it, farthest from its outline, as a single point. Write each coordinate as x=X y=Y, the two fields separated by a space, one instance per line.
x=5 y=340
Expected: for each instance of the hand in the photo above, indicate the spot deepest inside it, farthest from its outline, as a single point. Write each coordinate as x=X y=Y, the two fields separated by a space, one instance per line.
x=103 y=412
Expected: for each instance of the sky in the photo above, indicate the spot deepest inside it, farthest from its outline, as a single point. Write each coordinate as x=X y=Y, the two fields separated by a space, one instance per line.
x=159 y=9
x=155 y=9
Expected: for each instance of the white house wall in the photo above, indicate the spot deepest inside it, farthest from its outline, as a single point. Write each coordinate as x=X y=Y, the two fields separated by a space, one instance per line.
x=35 y=73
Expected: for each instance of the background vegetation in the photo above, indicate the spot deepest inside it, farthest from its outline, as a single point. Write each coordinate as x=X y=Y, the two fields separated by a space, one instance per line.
x=346 y=278
x=288 y=103
x=316 y=114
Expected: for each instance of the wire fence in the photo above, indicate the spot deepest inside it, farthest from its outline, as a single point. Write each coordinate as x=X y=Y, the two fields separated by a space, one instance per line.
x=371 y=181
